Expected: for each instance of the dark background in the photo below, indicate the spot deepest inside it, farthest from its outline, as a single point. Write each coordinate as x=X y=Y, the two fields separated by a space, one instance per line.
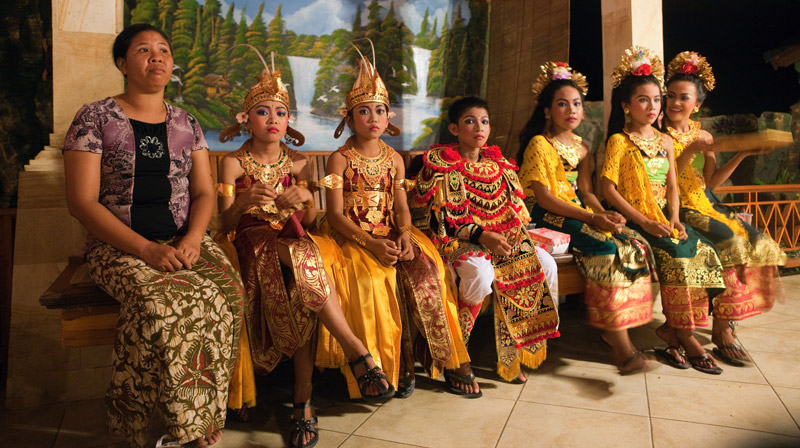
x=733 y=35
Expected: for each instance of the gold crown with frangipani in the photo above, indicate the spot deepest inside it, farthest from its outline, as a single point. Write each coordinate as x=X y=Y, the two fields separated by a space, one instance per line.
x=268 y=87
x=368 y=88
x=691 y=63
x=552 y=71
x=638 y=61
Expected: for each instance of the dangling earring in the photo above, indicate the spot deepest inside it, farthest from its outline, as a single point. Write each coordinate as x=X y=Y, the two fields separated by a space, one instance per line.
x=627 y=113
x=547 y=117
x=250 y=132
x=696 y=109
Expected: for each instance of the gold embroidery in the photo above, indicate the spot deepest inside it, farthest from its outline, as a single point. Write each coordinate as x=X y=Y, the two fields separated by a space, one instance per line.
x=226 y=190
x=688 y=137
x=570 y=153
x=331 y=182
x=653 y=147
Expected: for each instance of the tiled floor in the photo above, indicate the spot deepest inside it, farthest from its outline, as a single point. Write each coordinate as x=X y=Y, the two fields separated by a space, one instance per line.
x=575 y=399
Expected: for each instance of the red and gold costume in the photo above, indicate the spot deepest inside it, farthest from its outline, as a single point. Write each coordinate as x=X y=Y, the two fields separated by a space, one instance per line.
x=464 y=199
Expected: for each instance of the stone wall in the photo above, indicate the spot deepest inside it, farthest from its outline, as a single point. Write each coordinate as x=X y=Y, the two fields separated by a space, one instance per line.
x=40 y=371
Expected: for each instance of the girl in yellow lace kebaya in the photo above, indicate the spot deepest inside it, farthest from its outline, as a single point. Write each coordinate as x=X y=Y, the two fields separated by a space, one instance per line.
x=749 y=257
x=638 y=180
x=469 y=198
x=615 y=260
x=389 y=276
x=265 y=206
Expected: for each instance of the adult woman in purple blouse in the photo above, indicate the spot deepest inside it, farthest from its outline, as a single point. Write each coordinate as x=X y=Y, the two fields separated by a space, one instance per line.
x=138 y=178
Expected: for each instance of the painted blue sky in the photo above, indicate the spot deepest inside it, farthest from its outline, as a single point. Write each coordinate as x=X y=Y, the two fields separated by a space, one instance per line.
x=323 y=16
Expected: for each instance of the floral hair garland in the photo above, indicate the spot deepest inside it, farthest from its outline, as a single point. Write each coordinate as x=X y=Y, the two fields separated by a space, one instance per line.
x=638 y=61
x=552 y=71
x=691 y=63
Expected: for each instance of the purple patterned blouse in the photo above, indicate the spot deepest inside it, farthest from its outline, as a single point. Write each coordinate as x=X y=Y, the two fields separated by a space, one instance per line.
x=102 y=128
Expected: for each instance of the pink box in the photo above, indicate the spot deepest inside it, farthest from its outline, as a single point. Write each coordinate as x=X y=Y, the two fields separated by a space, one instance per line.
x=553 y=242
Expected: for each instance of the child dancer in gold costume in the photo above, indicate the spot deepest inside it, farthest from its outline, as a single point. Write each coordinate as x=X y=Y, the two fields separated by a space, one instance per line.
x=388 y=274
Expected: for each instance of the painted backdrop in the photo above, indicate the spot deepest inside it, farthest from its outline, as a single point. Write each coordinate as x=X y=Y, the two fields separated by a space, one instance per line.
x=427 y=52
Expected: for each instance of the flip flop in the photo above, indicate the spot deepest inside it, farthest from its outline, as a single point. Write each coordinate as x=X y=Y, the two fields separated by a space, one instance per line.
x=736 y=362
x=664 y=354
x=463 y=379
x=696 y=360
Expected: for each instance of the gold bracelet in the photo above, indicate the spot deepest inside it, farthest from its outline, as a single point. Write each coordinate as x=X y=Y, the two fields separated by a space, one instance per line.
x=360 y=238
x=226 y=190
x=406 y=228
x=302 y=184
x=309 y=204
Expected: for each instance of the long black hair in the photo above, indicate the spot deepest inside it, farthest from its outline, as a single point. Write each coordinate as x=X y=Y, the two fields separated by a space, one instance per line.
x=623 y=93
x=537 y=122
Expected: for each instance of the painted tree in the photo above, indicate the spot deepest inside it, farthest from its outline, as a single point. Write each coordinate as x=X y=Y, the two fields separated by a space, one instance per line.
x=437 y=62
x=455 y=42
x=146 y=11
x=166 y=15
x=423 y=38
x=209 y=24
x=218 y=60
x=394 y=60
x=373 y=29
x=194 y=93
x=256 y=36
x=183 y=31
x=237 y=68
x=276 y=44
x=357 y=31
x=335 y=75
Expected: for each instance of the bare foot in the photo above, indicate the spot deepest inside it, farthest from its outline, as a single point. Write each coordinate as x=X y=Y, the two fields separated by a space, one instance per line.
x=522 y=377
x=670 y=336
x=694 y=351
x=209 y=439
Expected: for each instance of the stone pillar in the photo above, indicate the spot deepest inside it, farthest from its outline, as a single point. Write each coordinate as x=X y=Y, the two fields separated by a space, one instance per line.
x=40 y=371
x=627 y=23
x=523 y=34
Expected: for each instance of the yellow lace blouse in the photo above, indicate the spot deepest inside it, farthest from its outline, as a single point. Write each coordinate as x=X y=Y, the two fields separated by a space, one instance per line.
x=625 y=166
x=543 y=164
x=691 y=185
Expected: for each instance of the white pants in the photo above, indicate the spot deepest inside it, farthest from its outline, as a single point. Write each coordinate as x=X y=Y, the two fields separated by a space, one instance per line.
x=476 y=275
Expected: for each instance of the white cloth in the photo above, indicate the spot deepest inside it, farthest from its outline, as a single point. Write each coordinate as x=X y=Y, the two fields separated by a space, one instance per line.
x=476 y=275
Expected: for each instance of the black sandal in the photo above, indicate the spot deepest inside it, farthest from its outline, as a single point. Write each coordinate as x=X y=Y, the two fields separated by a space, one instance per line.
x=406 y=387
x=372 y=376
x=468 y=379
x=302 y=426
x=697 y=364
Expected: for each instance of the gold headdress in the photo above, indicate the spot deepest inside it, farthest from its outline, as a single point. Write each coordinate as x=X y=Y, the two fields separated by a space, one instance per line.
x=268 y=87
x=552 y=71
x=691 y=63
x=638 y=61
x=368 y=88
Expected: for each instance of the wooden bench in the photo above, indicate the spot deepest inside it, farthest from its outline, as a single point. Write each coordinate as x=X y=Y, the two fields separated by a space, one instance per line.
x=89 y=315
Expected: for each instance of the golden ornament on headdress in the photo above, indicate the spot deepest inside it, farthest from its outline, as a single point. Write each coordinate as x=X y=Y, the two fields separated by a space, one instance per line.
x=268 y=87
x=368 y=88
x=691 y=63
x=638 y=61
x=552 y=71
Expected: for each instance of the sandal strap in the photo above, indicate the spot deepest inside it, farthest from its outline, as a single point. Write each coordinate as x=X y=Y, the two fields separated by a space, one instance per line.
x=467 y=379
x=304 y=405
x=362 y=360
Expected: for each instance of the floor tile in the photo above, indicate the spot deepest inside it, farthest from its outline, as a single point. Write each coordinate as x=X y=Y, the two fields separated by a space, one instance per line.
x=769 y=319
x=570 y=427
x=670 y=433
x=747 y=374
x=763 y=339
x=779 y=369
x=588 y=388
x=737 y=405
x=84 y=425
x=272 y=434
x=792 y=324
x=32 y=427
x=365 y=442
x=434 y=419
x=791 y=399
